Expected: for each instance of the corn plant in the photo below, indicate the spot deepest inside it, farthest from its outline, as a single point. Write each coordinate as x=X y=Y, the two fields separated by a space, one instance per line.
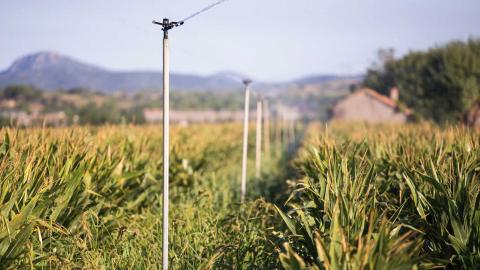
x=385 y=197
x=89 y=197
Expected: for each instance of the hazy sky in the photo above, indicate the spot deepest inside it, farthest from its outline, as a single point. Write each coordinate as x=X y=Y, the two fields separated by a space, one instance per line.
x=266 y=39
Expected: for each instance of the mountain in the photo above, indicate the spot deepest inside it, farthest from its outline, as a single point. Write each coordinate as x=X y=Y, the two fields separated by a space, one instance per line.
x=52 y=71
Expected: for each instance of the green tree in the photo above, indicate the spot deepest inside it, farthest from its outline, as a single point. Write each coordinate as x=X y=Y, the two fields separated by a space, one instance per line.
x=98 y=115
x=21 y=92
x=441 y=84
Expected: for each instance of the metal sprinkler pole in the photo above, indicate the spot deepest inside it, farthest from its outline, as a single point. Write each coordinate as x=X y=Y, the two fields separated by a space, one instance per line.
x=278 y=132
x=283 y=127
x=291 y=134
x=166 y=25
x=258 y=143
x=293 y=125
x=266 y=119
x=245 y=141
x=288 y=132
x=166 y=146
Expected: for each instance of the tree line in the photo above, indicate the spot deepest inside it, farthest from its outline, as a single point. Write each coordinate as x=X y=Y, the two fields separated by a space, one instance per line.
x=97 y=108
x=441 y=84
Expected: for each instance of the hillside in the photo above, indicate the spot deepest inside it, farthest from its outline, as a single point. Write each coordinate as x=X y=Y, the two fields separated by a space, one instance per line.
x=53 y=71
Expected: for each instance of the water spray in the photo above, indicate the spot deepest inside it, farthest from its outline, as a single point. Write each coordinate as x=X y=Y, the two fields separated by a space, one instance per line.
x=203 y=10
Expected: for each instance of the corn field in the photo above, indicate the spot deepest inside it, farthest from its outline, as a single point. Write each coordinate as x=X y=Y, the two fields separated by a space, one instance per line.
x=385 y=197
x=346 y=197
x=90 y=198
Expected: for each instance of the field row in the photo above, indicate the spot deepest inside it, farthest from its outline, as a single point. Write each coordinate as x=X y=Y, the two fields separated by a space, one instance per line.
x=90 y=198
x=385 y=197
x=351 y=197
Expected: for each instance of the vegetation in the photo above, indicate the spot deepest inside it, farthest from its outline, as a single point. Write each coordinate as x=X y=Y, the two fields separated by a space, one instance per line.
x=367 y=197
x=96 y=108
x=21 y=93
x=386 y=197
x=83 y=106
x=90 y=198
x=441 y=84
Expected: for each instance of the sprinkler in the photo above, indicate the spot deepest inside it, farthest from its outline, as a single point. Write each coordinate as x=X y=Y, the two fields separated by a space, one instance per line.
x=166 y=26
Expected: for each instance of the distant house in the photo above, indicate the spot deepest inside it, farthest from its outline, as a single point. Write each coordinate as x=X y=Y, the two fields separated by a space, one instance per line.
x=35 y=109
x=23 y=119
x=56 y=119
x=153 y=115
x=367 y=105
x=189 y=117
x=8 y=104
x=18 y=118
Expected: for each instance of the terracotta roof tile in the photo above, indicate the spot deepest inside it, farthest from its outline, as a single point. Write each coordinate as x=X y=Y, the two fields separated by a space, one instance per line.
x=384 y=99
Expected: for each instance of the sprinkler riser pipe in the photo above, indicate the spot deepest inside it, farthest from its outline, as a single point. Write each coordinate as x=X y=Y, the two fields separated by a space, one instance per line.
x=258 y=143
x=266 y=128
x=166 y=147
x=243 y=188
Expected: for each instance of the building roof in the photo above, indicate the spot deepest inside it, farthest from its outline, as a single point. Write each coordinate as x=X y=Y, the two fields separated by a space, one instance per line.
x=374 y=94
x=381 y=98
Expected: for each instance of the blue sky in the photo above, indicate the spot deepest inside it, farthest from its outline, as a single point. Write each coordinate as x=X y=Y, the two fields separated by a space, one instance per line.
x=266 y=39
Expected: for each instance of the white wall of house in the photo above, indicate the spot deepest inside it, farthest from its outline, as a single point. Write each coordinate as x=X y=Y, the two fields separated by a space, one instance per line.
x=364 y=108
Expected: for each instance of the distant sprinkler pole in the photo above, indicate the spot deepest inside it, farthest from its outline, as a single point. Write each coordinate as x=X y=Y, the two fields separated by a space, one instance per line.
x=286 y=130
x=166 y=25
x=278 y=132
x=245 y=140
x=258 y=139
x=283 y=128
x=292 y=130
x=266 y=128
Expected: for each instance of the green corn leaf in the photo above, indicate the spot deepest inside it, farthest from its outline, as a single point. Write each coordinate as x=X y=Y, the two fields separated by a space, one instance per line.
x=288 y=221
x=291 y=260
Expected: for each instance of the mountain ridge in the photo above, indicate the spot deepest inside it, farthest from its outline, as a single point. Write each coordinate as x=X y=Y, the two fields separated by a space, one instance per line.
x=52 y=71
